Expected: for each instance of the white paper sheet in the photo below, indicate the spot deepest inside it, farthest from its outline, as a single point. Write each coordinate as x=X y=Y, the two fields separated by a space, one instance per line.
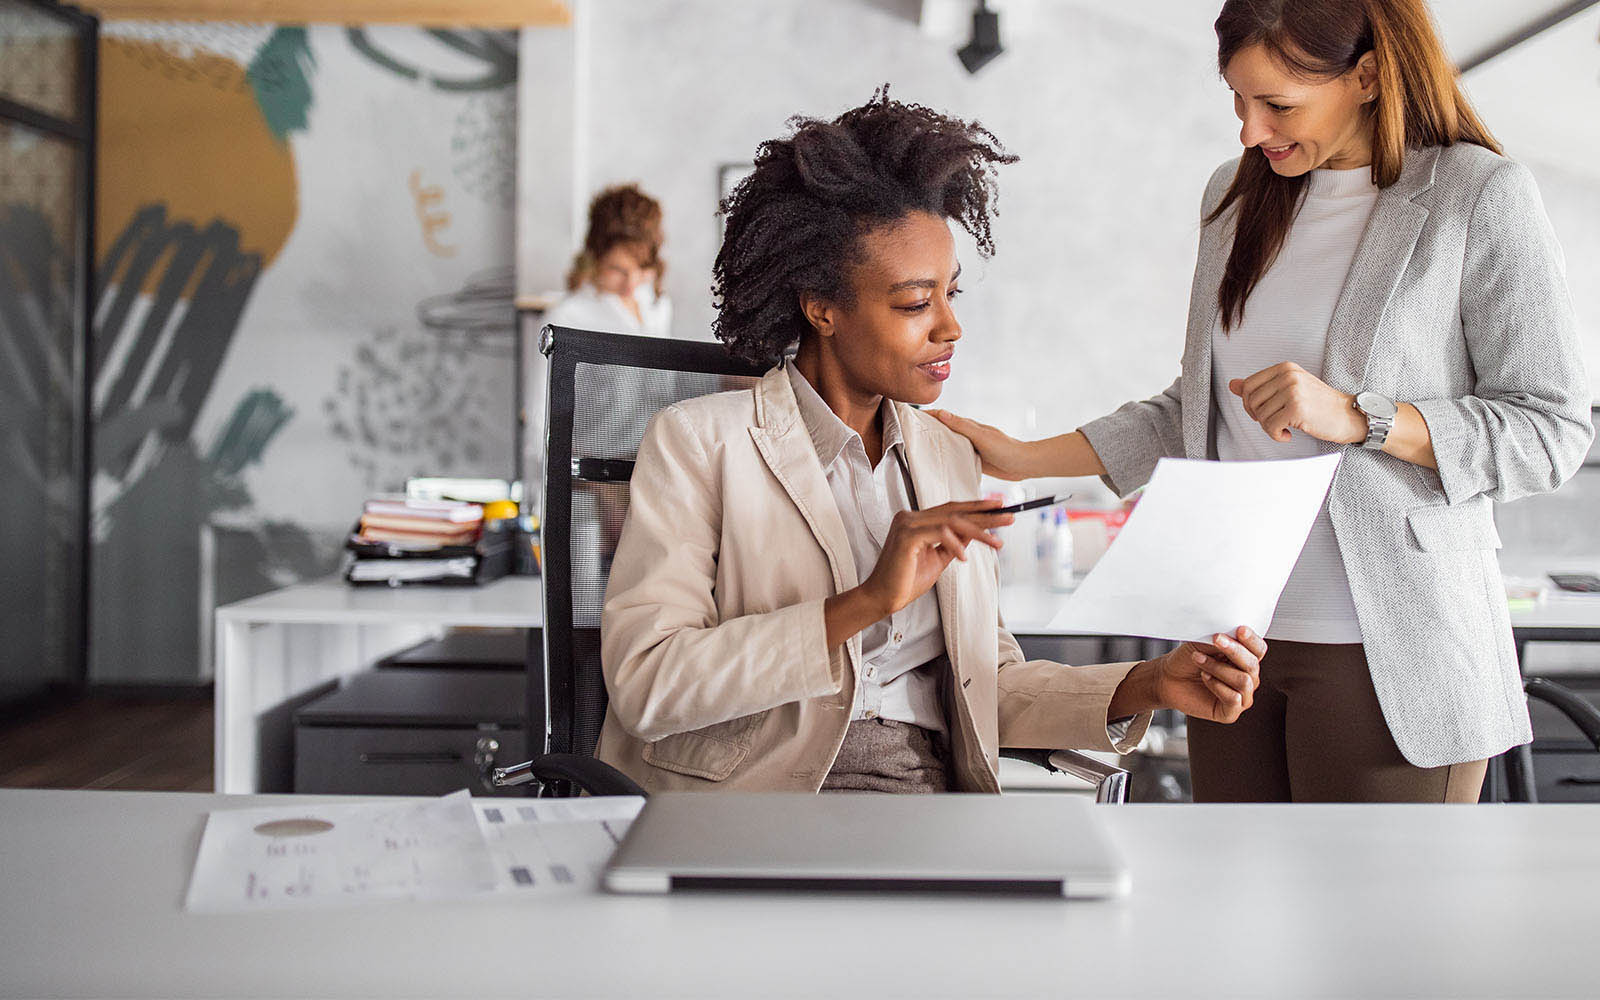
x=553 y=846
x=1209 y=548
x=317 y=855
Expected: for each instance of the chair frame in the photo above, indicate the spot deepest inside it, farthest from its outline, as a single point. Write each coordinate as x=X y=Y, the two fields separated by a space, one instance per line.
x=566 y=348
x=1511 y=774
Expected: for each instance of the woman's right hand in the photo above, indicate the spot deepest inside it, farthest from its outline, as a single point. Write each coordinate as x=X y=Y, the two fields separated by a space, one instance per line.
x=919 y=546
x=1004 y=457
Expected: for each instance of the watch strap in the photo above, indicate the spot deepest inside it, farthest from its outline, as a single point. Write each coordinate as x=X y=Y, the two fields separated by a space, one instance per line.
x=1377 y=432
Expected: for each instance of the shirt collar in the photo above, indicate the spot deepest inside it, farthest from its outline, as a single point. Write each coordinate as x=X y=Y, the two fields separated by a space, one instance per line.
x=830 y=435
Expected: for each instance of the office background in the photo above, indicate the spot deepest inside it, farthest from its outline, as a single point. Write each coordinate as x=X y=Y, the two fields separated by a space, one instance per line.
x=330 y=213
x=299 y=229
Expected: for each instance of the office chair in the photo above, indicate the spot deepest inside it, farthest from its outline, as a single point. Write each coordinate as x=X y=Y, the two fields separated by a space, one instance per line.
x=603 y=390
x=1512 y=773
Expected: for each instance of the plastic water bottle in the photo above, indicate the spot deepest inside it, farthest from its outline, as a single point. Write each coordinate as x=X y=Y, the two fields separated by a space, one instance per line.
x=1061 y=571
x=1044 y=547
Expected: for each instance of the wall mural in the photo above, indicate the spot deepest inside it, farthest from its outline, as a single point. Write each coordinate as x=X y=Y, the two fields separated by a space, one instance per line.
x=299 y=232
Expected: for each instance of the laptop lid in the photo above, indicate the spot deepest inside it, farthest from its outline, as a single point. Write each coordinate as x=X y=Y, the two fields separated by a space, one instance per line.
x=1037 y=844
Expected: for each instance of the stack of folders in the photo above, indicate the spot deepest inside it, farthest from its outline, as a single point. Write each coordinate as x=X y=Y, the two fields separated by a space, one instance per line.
x=400 y=541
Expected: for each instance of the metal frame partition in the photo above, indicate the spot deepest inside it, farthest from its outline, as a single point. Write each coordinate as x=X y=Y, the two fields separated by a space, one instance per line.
x=81 y=132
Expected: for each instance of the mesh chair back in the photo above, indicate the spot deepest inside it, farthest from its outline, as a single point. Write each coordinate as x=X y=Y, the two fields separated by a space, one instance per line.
x=603 y=390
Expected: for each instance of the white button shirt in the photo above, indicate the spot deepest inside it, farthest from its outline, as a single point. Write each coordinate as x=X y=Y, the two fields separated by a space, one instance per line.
x=890 y=686
x=588 y=308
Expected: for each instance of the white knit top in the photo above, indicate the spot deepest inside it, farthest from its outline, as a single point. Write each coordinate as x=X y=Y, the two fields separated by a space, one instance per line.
x=1286 y=319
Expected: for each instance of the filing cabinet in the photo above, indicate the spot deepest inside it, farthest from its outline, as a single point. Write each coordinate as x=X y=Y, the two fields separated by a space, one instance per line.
x=401 y=731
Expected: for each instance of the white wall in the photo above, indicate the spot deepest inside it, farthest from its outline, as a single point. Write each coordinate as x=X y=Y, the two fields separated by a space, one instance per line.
x=1084 y=305
x=1542 y=100
x=1116 y=110
x=550 y=153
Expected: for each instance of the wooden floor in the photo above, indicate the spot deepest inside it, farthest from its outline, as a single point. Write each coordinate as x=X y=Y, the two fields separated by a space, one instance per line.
x=121 y=743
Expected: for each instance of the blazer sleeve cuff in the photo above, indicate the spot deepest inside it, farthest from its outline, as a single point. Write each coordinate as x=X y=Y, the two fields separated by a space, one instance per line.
x=1451 y=435
x=1127 y=469
x=1065 y=708
x=820 y=674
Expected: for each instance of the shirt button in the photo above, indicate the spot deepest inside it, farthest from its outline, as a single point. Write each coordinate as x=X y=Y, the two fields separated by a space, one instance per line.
x=872 y=672
x=898 y=636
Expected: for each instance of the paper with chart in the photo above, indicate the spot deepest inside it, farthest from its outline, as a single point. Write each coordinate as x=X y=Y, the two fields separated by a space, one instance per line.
x=553 y=846
x=313 y=855
x=1209 y=548
x=320 y=854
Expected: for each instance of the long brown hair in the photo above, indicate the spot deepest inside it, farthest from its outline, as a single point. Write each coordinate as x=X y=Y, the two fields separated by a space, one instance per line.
x=1418 y=103
x=620 y=215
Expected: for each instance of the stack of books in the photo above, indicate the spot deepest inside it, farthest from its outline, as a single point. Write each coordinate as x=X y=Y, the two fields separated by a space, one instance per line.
x=400 y=541
x=420 y=523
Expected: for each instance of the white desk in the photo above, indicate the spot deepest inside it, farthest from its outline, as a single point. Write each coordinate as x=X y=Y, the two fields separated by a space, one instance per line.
x=1247 y=901
x=1560 y=617
x=277 y=650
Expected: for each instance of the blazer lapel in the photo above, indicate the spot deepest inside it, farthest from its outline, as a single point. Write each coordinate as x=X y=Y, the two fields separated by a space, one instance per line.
x=781 y=438
x=1381 y=260
x=1216 y=241
x=926 y=460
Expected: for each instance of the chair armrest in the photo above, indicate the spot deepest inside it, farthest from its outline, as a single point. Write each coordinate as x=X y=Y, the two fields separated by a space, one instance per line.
x=592 y=776
x=1576 y=708
x=1110 y=781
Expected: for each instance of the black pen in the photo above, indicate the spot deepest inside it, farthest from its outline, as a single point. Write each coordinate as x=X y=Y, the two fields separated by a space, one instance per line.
x=1034 y=504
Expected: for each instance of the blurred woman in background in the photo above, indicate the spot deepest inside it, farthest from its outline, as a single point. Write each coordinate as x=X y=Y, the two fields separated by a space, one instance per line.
x=615 y=283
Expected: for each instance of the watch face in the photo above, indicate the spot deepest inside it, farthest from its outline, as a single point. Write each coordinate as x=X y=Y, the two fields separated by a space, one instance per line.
x=1374 y=405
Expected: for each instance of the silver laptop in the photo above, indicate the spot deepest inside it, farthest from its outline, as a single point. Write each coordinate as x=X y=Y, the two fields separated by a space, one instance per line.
x=1033 y=844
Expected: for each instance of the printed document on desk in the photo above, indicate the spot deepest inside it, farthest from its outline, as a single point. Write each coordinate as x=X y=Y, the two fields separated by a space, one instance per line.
x=325 y=853
x=285 y=857
x=1209 y=548
x=554 y=846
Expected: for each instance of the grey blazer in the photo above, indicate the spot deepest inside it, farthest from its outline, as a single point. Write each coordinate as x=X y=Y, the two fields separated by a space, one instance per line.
x=1456 y=303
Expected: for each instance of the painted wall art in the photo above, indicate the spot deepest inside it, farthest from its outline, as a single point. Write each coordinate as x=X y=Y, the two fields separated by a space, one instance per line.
x=302 y=297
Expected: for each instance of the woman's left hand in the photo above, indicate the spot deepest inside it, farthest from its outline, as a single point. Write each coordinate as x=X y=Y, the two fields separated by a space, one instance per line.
x=1214 y=681
x=1286 y=397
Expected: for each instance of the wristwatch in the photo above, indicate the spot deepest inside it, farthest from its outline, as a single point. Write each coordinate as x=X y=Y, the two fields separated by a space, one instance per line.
x=1380 y=413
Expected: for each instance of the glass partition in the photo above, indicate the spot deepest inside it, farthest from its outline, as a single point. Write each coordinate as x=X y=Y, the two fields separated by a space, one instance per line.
x=45 y=137
x=41 y=56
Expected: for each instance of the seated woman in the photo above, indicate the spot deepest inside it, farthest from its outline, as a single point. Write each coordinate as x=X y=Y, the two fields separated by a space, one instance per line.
x=796 y=602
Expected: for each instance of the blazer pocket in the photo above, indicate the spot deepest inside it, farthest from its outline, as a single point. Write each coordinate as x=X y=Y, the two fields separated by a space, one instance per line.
x=1453 y=529
x=711 y=753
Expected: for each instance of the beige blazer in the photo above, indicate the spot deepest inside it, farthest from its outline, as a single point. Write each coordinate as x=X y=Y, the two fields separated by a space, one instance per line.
x=712 y=638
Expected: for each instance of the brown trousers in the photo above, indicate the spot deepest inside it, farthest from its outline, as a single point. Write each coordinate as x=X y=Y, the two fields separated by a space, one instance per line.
x=1316 y=734
x=880 y=755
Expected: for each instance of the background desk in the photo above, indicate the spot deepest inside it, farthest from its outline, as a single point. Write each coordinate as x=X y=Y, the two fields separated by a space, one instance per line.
x=1259 y=901
x=276 y=651
x=1560 y=617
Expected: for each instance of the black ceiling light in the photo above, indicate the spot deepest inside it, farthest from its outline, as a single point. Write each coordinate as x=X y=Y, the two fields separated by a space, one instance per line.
x=985 y=44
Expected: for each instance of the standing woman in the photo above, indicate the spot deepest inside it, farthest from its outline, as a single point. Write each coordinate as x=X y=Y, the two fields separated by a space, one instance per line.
x=1374 y=278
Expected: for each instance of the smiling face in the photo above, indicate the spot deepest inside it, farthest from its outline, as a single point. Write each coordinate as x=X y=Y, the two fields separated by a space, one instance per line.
x=898 y=337
x=1302 y=125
